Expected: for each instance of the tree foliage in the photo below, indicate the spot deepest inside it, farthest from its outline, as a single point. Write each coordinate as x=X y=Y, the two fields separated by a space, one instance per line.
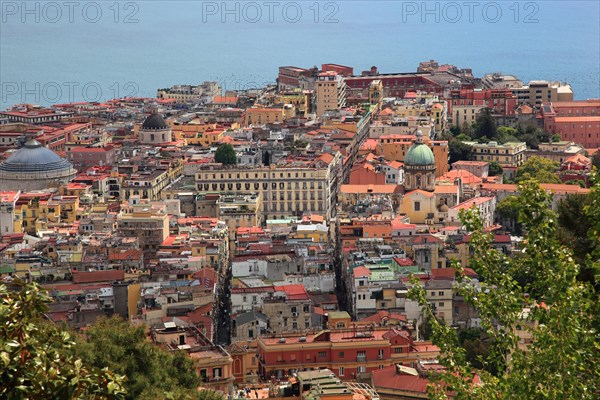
x=34 y=354
x=506 y=134
x=225 y=154
x=152 y=373
x=532 y=135
x=575 y=224
x=495 y=169
x=425 y=329
x=455 y=130
x=592 y=213
x=485 y=125
x=563 y=358
x=476 y=346
x=507 y=213
x=596 y=160
x=541 y=169
x=207 y=394
x=459 y=151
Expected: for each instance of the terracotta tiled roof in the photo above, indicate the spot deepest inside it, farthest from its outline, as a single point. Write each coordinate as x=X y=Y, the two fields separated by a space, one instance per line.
x=294 y=292
x=419 y=191
x=368 y=188
x=389 y=378
x=98 y=276
x=131 y=254
x=450 y=273
x=383 y=315
x=360 y=272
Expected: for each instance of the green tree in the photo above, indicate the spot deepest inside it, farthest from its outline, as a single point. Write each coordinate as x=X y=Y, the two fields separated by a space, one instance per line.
x=300 y=144
x=485 y=125
x=458 y=150
x=455 y=130
x=463 y=137
x=577 y=182
x=207 y=394
x=225 y=154
x=152 y=373
x=506 y=134
x=495 y=169
x=592 y=212
x=475 y=345
x=562 y=315
x=532 y=135
x=507 y=213
x=575 y=225
x=541 y=169
x=596 y=160
x=34 y=354
x=467 y=130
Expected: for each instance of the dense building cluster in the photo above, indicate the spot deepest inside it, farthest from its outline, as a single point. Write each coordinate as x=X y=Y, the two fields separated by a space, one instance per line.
x=286 y=260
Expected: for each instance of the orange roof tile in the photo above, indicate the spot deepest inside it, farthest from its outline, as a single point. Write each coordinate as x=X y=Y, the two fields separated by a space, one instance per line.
x=294 y=292
x=369 y=188
x=578 y=119
x=224 y=100
x=469 y=203
x=361 y=272
x=421 y=192
x=98 y=276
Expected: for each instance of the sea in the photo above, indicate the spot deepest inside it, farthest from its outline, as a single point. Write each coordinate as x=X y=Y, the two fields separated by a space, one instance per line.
x=63 y=51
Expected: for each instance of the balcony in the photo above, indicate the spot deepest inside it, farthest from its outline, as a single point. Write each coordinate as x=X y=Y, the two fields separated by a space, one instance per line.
x=361 y=358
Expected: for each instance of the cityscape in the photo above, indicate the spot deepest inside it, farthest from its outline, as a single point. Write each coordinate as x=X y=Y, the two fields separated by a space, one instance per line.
x=331 y=233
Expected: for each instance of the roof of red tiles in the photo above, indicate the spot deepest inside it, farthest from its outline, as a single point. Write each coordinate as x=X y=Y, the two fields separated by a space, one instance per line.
x=130 y=254
x=294 y=292
x=389 y=378
x=450 y=273
x=98 y=276
x=404 y=262
x=370 y=188
x=383 y=315
x=361 y=271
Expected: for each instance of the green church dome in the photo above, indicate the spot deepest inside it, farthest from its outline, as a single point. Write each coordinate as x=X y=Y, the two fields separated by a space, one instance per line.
x=419 y=153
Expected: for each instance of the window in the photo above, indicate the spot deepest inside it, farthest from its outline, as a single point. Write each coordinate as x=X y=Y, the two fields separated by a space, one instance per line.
x=441 y=304
x=341 y=354
x=417 y=206
x=322 y=354
x=398 y=350
x=440 y=293
x=341 y=371
x=361 y=369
